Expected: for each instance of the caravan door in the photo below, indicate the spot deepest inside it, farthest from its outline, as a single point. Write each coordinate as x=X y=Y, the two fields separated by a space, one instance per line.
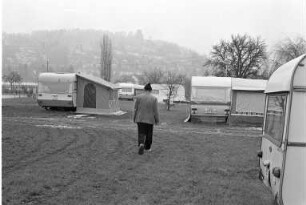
x=272 y=147
x=293 y=189
x=283 y=148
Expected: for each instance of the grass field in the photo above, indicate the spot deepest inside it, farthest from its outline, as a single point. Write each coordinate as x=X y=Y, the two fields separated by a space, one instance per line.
x=50 y=157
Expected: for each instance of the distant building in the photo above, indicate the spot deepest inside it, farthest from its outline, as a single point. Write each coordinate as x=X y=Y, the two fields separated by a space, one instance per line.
x=160 y=91
x=210 y=99
x=229 y=100
x=127 y=91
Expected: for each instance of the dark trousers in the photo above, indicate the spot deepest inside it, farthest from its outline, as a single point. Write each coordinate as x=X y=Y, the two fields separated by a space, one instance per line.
x=145 y=134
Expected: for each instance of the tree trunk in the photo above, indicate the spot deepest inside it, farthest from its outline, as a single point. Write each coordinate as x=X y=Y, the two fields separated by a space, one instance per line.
x=11 y=84
x=168 y=100
x=168 y=104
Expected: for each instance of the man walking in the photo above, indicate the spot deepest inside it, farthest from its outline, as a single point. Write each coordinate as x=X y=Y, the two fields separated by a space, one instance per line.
x=145 y=115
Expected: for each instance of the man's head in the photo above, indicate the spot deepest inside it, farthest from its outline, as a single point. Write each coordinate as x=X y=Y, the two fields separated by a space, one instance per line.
x=148 y=87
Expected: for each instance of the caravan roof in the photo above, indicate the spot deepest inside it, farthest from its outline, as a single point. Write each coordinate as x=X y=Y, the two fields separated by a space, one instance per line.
x=248 y=84
x=210 y=81
x=282 y=77
x=130 y=85
x=71 y=77
x=98 y=80
x=159 y=86
x=54 y=77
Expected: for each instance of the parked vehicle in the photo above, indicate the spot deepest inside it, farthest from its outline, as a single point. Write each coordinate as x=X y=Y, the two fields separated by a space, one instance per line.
x=282 y=157
x=57 y=90
x=161 y=92
x=128 y=91
x=210 y=98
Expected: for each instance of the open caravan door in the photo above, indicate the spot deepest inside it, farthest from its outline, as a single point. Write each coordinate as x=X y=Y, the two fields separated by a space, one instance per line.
x=283 y=149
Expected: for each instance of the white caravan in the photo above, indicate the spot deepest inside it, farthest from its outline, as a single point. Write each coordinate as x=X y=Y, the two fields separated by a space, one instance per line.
x=128 y=91
x=161 y=92
x=282 y=157
x=57 y=90
x=210 y=98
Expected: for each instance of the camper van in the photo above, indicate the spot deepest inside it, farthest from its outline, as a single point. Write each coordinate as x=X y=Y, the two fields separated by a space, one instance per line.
x=128 y=91
x=210 y=98
x=282 y=157
x=57 y=90
x=161 y=92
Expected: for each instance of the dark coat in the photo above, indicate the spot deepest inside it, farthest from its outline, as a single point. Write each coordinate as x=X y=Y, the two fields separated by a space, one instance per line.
x=146 y=109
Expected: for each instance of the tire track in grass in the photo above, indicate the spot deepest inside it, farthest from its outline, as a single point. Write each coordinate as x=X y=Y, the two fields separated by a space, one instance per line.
x=113 y=153
x=126 y=160
x=84 y=167
x=119 y=147
x=197 y=163
x=129 y=163
x=186 y=130
x=44 y=122
x=36 y=149
x=187 y=150
x=114 y=156
x=225 y=131
x=211 y=169
x=23 y=164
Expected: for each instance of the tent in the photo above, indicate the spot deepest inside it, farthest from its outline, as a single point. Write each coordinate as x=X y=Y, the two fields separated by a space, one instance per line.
x=248 y=101
x=96 y=96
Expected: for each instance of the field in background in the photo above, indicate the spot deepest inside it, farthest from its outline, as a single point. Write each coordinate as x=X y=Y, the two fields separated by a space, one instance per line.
x=54 y=157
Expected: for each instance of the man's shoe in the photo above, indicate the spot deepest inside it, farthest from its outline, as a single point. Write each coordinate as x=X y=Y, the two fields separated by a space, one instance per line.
x=141 y=149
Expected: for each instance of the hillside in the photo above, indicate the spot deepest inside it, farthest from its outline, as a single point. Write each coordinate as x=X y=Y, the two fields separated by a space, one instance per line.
x=79 y=50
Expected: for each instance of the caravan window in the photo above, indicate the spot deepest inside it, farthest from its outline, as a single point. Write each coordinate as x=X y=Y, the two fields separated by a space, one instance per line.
x=275 y=117
x=155 y=92
x=55 y=87
x=127 y=90
x=210 y=94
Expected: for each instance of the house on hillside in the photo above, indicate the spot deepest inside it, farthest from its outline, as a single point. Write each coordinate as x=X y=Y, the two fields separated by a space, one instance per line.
x=247 y=101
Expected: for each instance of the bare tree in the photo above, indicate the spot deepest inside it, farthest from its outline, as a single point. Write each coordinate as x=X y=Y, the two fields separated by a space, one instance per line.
x=173 y=80
x=12 y=77
x=287 y=50
x=106 y=58
x=124 y=79
x=155 y=75
x=241 y=57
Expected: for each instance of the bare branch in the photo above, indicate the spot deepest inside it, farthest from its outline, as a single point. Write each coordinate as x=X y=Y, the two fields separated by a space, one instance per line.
x=287 y=50
x=241 y=57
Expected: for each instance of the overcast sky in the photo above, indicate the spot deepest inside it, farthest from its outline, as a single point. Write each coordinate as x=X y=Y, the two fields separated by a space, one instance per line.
x=195 y=24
